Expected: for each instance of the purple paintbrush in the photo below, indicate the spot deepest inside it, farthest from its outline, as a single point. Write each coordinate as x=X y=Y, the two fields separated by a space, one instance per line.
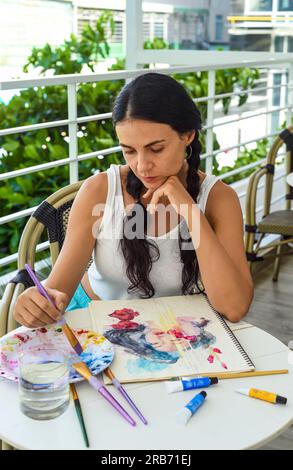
x=83 y=370
x=123 y=392
x=66 y=329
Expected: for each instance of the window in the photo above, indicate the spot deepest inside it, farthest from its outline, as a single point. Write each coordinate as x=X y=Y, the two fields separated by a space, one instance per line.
x=261 y=5
x=118 y=35
x=159 y=30
x=285 y=5
x=219 y=28
x=146 y=31
x=279 y=44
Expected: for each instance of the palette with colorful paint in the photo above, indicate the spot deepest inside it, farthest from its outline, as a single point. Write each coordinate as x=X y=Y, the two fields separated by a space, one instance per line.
x=97 y=352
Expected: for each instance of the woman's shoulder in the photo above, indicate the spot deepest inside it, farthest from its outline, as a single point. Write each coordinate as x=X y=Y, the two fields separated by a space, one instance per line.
x=94 y=189
x=222 y=198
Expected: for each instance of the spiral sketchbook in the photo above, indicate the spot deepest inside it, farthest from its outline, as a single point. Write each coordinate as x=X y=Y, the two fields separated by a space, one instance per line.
x=165 y=337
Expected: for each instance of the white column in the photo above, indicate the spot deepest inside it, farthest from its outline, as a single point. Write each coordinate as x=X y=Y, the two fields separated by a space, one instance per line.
x=290 y=95
x=134 y=32
x=72 y=132
x=210 y=121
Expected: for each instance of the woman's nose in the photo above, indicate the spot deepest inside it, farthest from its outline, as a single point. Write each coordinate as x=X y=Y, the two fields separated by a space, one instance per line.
x=144 y=166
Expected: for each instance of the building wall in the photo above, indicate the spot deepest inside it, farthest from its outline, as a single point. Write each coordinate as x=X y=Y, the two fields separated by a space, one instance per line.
x=218 y=26
x=184 y=24
x=260 y=35
x=28 y=23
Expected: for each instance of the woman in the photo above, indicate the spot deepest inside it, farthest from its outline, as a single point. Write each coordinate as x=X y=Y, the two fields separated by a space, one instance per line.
x=201 y=242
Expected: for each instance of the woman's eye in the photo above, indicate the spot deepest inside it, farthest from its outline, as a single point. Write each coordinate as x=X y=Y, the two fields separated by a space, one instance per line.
x=157 y=150
x=129 y=152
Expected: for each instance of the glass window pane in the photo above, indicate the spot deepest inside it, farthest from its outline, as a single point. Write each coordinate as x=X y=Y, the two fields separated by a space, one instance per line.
x=285 y=5
x=290 y=44
x=261 y=5
x=219 y=28
x=159 y=30
x=279 y=44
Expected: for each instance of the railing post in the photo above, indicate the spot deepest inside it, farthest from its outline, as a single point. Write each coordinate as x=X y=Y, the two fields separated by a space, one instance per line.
x=290 y=95
x=134 y=32
x=72 y=132
x=210 y=121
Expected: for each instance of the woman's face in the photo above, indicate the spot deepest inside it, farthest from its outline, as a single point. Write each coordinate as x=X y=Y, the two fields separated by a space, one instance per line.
x=160 y=340
x=153 y=150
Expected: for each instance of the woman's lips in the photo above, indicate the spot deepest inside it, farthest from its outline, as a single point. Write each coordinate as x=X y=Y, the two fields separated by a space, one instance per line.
x=152 y=178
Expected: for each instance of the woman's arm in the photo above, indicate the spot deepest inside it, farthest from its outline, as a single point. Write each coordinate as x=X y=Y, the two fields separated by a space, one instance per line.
x=31 y=308
x=79 y=241
x=220 y=252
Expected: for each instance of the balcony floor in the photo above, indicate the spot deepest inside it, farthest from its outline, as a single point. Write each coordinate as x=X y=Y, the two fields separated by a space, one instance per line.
x=272 y=311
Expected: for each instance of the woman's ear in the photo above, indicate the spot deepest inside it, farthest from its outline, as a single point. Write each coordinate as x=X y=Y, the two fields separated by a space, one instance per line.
x=190 y=136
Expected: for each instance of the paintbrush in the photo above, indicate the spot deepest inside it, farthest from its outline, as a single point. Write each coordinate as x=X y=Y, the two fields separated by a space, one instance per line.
x=66 y=329
x=79 y=413
x=83 y=370
x=238 y=375
x=123 y=392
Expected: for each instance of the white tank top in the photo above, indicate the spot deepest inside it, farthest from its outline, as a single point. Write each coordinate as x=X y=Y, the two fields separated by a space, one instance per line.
x=107 y=273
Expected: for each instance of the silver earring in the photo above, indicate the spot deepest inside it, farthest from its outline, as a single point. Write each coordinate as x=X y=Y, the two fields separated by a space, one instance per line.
x=187 y=156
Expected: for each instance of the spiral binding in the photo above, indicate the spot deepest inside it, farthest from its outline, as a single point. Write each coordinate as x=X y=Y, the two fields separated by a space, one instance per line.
x=231 y=334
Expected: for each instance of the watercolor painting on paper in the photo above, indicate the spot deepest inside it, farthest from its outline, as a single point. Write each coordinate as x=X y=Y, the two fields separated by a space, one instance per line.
x=159 y=338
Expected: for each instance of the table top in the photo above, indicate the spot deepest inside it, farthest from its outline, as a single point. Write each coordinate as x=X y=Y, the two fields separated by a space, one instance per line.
x=289 y=179
x=227 y=420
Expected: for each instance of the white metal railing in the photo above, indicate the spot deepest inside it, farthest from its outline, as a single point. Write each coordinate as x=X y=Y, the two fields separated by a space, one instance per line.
x=278 y=61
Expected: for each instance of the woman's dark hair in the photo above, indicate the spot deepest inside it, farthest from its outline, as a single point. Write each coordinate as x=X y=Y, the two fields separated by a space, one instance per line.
x=158 y=98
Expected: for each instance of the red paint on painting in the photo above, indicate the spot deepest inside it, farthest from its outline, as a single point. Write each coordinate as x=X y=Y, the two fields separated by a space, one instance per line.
x=211 y=359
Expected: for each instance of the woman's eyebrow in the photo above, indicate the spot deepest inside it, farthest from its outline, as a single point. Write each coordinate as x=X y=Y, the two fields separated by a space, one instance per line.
x=147 y=145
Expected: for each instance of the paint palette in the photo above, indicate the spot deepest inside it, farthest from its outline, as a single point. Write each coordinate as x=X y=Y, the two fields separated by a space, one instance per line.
x=97 y=352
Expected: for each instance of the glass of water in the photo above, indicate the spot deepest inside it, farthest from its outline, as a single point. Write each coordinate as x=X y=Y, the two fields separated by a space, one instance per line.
x=43 y=382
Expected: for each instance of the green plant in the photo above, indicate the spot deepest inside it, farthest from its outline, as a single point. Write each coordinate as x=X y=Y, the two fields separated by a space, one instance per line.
x=75 y=53
x=245 y=157
x=157 y=43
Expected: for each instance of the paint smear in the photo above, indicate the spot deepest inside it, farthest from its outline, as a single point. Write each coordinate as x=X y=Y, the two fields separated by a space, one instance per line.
x=141 y=365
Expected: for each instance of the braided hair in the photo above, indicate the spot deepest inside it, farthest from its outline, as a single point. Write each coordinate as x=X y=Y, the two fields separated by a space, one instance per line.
x=158 y=98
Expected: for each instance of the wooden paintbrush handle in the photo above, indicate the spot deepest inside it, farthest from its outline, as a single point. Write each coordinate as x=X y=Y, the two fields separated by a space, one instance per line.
x=109 y=373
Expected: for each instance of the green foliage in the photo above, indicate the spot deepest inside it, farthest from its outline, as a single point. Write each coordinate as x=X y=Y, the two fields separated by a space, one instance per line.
x=157 y=43
x=245 y=157
x=74 y=54
x=227 y=81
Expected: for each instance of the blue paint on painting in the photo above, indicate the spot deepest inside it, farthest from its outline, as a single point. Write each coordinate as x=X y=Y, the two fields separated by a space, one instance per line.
x=142 y=365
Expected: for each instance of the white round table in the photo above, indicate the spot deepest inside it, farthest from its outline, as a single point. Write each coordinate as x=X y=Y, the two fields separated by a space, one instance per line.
x=289 y=179
x=227 y=420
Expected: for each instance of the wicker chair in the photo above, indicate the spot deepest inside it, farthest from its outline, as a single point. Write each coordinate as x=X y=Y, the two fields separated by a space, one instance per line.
x=51 y=215
x=273 y=222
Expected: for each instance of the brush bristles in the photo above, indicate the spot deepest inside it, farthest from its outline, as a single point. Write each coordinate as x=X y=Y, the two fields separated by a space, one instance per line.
x=82 y=369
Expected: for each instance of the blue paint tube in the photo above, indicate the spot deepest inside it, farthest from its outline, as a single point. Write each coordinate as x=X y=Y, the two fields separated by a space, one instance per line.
x=184 y=415
x=185 y=384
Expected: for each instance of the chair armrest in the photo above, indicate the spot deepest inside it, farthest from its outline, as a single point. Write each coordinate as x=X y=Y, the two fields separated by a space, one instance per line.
x=252 y=187
x=11 y=322
x=5 y=304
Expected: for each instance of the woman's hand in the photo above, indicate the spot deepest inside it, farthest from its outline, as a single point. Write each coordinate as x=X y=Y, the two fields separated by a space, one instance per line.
x=33 y=310
x=178 y=196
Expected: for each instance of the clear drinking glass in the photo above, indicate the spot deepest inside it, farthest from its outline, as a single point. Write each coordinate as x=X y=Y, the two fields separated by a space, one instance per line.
x=43 y=382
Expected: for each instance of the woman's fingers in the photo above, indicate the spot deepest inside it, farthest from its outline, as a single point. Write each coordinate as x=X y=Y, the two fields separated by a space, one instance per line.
x=42 y=305
x=158 y=193
x=38 y=313
x=24 y=317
